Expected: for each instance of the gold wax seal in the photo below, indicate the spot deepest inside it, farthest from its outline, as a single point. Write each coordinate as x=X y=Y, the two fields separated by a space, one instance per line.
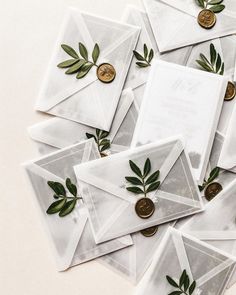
x=144 y=208
x=206 y=19
x=106 y=73
x=149 y=232
x=230 y=91
x=212 y=190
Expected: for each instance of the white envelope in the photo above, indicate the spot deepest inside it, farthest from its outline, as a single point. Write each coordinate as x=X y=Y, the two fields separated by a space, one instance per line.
x=227 y=159
x=111 y=205
x=208 y=266
x=137 y=77
x=59 y=133
x=182 y=100
x=88 y=101
x=132 y=262
x=71 y=236
x=174 y=23
x=217 y=224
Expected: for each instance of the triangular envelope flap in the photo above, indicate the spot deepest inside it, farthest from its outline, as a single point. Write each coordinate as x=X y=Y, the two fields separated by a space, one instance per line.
x=102 y=100
x=211 y=270
x=161 y=14
x=179 y=181
x=109 y=173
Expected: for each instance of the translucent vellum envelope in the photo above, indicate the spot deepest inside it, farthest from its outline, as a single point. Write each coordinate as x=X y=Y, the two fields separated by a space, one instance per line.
x=112 y=207
x=226 y=47
x=227 y=159
x=210 y=267
x=132 y=262
x=174 y=22
x=59 y=133
x=219 y=232
x=182 y=100
x=137 y=77
x=88 y=100
x=71 y=236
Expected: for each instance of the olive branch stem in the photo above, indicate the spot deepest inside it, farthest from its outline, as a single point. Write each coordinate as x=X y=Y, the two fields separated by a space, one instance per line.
x=101 y=140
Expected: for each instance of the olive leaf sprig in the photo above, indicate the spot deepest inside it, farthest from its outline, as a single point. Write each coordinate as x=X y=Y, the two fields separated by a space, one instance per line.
x=215 y=65
x=183 y=286
x=213 y=175
x=144 y=183
x=145 y=59
x=79 y=64
x=64 y=204
x=214 y=5
x=101 y=140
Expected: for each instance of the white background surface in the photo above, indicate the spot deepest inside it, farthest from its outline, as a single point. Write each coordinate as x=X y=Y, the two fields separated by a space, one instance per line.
x=28 y=30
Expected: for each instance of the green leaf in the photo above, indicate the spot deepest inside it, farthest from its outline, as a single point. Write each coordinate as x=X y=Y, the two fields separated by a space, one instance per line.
x=151 y=55
x=204 y=66
x=204 y=59
x=96 y=53
x=105 y=147
x=71 y=187
x=138 y=56
x=176 y=293
x=192 y=287
x=218 y=63
x=69 y=50
x=104 y=134
x=135 y=189
x=142 y=65
x=214 y=174
x=222 y=69
x=217 y=8
x=200 y=3
x=201 y=188
x=87 y=66
x=75 y=68
x=213 y=54
x=56 y=196
x=182 y=278
x=154 y=186
x=55 y=207
x=214 y=2
x=98 y=131
x=153 y=177
x=88 y=135
x=147 y=167
x=67 y=63
x=186 y=283
x=145 y=50
x=67 y=208
x=57 y=187
x=134 y=180
x=135 y=168
x=83 y=51
x=83 y=72
x=105 y=141
x=172 y=282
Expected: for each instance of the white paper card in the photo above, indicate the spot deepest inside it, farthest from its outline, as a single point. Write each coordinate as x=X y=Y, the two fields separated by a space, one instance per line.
x=181 y=100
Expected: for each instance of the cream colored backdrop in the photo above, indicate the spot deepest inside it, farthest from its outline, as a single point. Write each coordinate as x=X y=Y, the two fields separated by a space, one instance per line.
x=28 y=29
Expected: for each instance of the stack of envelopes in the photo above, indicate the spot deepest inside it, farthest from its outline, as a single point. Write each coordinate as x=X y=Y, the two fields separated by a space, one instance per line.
x=137 y=169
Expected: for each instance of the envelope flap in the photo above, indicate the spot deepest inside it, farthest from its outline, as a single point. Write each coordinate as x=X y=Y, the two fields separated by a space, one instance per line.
x=109 y=173
x=214 y=265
